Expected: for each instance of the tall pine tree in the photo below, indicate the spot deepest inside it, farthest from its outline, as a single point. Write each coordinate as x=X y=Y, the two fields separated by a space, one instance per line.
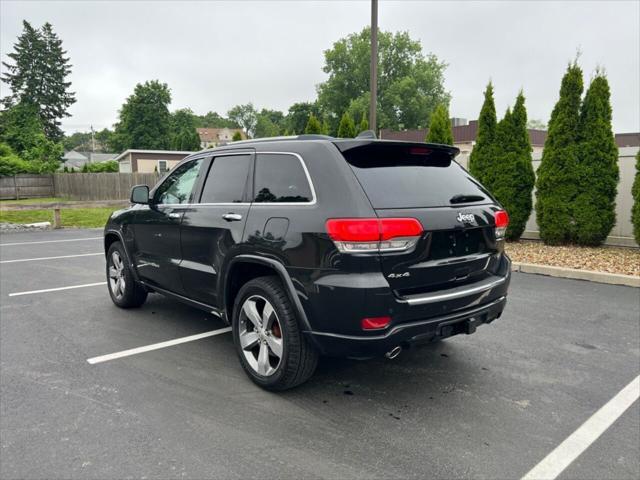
x=38 y=76
x=440 y=127
x=558 y=176
x=484 y=150
x=512 y=171
x=347 y=127
x=597 y=167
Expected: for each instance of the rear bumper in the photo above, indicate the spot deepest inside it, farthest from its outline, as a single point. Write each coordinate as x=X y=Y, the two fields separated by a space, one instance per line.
x=338 y=303
x=407 y=333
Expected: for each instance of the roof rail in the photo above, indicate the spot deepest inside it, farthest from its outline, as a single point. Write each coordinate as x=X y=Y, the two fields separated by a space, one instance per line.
x=370 y=134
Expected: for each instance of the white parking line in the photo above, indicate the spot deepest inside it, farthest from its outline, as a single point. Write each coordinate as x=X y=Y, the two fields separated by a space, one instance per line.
x=17 y=294
x=156 y=346
x=50 y=241
x=52 y=258
x=565 y=453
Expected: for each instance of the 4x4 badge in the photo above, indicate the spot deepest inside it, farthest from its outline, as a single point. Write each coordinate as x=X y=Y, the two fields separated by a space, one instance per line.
x=466 y=217
x=399 y=275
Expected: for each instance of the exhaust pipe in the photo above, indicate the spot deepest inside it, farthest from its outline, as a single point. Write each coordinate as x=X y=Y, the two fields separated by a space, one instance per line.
x=393 y=353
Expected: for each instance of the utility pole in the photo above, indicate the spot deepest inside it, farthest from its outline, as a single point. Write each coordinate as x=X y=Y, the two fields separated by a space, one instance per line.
x=373 y=81
x=93 y=139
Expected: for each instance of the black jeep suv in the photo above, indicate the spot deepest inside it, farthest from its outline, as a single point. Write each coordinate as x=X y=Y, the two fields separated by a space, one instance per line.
x=313 y=245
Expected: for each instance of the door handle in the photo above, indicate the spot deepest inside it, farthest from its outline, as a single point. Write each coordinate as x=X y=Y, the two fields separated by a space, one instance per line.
x=175 y=215
x=232 y=217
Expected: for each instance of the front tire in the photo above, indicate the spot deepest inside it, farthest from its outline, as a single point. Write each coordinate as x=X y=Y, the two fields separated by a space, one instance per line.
x=125 y=292
x=272 y=350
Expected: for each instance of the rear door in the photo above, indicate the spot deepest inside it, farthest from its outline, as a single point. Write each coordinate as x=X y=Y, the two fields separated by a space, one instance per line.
x=404 y=180
x=212 y=228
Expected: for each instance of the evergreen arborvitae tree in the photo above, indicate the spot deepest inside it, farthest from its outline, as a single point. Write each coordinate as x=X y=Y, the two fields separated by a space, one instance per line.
x=364 y=123
x=347 y=127
x=484 y=150
x=558 y=178
x=313 y=125
x=237 y=136
x=635 y=209
x=38 y=76
x=594 y=208
x=440 y=127
x=513 y=176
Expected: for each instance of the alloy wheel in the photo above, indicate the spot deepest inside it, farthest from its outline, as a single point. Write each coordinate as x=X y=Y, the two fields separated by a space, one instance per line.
x=116 y=275
x=260 y=335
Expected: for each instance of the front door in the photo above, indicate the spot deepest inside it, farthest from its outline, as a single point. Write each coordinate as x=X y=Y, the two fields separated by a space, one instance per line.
x=212 y=230
x=157 y=228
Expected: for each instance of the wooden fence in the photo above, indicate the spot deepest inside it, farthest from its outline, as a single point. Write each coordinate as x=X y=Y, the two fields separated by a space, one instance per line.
x=74 y=186
x=26 y=186
x=100 y=186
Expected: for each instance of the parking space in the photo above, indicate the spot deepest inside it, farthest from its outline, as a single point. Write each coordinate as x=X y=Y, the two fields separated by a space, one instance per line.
x=490 y=405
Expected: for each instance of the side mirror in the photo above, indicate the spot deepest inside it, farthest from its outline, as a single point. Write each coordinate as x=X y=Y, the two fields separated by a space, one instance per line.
x=140 y=194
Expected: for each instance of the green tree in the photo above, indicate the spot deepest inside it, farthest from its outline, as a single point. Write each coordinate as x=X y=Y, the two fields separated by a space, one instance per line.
x=313 y=126
x=635 y=209
x=513 y=176
x=237 y=136
x=184 y=135
x=558 y=177
x=484 y=150
x=298 y=115
x=364 y=123
x=214 y=120
x=410 y=84
x=245 y=116
x=270 y=123
x=440 y=128
x=594 y=207
x=38 y=76
x=144 y=119
x=347 y=127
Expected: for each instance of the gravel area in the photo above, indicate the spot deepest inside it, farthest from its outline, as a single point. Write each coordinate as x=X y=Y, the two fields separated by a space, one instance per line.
x=17 y=227
x=620 y=260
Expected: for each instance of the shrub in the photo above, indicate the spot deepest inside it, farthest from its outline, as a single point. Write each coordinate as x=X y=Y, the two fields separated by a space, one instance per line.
x=440 y=127
x=635 y=210
x=347 y=127
x=236 y=137
x=558 y=179
x=597 y=167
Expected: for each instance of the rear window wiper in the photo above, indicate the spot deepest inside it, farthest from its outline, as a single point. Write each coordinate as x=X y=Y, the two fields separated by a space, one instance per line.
x=465 y=198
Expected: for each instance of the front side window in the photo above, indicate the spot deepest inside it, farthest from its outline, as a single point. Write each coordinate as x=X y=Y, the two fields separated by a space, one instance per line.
x=226 y=180
x=281 y=178
x=177 y=188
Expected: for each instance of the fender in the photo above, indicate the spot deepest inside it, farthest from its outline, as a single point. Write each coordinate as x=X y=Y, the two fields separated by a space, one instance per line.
x=284 y=276
x=126 y=252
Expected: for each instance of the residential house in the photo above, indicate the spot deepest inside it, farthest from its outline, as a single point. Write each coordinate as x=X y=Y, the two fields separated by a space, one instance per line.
x=149 y=161
x=213 y=137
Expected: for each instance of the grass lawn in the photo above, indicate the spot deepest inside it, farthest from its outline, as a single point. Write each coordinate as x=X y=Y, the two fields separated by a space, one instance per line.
x=71 y=217
x=29 y=201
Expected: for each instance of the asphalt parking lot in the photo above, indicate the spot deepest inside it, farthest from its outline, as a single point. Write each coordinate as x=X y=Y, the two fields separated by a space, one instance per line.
x=490 y=405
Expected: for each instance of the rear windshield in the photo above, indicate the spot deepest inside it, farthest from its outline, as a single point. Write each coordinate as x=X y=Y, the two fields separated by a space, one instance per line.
x=413 y=176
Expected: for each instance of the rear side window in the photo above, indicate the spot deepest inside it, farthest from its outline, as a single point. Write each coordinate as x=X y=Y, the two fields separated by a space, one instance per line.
x=280 y=178
x=396 y=176
x=226 y=180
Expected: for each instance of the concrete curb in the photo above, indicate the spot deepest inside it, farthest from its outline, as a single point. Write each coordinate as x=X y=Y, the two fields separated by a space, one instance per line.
x=590 y=276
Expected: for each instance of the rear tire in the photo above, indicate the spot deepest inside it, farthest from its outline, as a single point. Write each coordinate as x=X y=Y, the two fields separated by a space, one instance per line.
x=125 y=292
x=273 y=351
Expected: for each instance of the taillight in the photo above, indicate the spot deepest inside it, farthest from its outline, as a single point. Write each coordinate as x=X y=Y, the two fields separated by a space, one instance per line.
x=502 y=222
x=375 y=323
x=362 y=235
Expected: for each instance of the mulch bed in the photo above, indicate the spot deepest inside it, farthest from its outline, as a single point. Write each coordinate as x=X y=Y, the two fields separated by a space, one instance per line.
x=620 y=260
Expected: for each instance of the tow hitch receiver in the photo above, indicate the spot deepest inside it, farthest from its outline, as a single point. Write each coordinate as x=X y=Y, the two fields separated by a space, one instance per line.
x=471 y=324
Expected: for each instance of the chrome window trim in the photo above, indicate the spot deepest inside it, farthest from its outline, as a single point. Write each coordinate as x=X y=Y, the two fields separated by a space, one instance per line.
x=314 y=199
x=313 y=202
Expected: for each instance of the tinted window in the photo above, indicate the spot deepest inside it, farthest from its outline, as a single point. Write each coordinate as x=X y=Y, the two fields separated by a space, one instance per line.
x=178 y=186
x=226 y=180
x=280 y=178
x=408 y=176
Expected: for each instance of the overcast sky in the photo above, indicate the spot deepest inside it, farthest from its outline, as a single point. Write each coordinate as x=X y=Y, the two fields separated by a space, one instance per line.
x=215 y=55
